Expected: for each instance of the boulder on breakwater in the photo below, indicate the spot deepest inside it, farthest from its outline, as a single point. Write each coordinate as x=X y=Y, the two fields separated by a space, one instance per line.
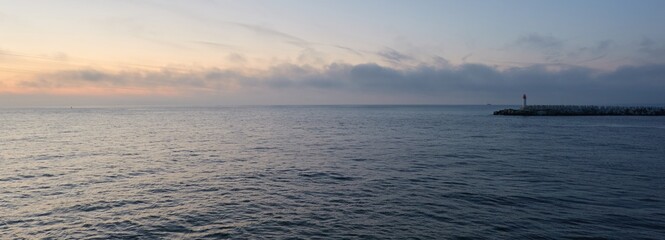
x=572 y=110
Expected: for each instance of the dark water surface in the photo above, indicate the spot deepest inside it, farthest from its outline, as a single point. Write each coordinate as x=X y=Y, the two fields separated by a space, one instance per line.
x=359 y=172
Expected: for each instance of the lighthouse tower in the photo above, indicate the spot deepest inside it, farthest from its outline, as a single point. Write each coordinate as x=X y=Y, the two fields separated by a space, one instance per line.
x=523 y=101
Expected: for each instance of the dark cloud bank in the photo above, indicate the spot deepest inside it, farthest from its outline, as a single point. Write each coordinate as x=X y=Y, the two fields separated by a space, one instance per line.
x=464 y=84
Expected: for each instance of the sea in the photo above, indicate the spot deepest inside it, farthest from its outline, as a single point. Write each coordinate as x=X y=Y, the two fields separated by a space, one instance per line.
x=328 y=172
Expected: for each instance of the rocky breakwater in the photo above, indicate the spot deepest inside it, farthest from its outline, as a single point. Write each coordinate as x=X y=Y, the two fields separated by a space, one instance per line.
x=571 y=110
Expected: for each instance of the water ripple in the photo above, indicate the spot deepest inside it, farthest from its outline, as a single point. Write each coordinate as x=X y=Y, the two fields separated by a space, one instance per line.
x=327 y=173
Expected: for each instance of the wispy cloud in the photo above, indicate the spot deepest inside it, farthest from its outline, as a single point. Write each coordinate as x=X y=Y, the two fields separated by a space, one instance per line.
x=260 y=30
x=236 y=58
x=538 y=41
x=652 y=48
x=137 y=29
x=592 y=53
x=351 y=50
x=391 y=55
x=549 y=46
x=555 y=50
x=266 y=31
x=602 y=47
x=216 y=45
x=466 y=57
x=311 y=56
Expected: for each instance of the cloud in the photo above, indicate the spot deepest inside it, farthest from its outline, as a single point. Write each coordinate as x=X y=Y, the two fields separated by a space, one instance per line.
x=599 y=48
x=60 y=56
x=393 y=56
x=351 y=50
x=258 y=29
x=466 y=83
x=311 y=56
x=213 y=22
x=466 y=57
x=549 y=46
x=216 y=45
x=592 y=53
x=555 y=50
x=236 y=58
x=602 y=47
x=440 y=61
x=652 y=48
x=209 y=79
x=647 y=43
x=535 y=40
x=261 y=30
x=137 y=29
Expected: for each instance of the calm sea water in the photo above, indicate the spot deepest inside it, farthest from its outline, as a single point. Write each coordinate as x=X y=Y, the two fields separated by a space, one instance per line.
x=359 y=172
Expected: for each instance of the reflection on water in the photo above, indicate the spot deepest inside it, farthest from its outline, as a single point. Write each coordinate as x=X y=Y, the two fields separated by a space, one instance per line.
x=330 y=172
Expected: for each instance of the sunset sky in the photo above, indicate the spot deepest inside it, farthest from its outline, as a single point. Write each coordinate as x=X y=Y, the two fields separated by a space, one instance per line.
x=207 y=52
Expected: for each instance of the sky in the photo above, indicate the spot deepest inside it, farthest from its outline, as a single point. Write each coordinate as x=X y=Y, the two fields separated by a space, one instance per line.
x=209 y=52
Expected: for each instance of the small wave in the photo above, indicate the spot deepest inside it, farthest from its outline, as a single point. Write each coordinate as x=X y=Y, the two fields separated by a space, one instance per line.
x=47 y=157
x=9 y=179
x=99 y=205
x=326 y=175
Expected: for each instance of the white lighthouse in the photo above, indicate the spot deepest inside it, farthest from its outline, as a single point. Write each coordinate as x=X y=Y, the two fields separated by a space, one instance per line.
x=523 y=101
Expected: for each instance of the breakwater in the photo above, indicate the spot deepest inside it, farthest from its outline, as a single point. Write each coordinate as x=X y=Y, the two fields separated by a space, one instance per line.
x=574 y=110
